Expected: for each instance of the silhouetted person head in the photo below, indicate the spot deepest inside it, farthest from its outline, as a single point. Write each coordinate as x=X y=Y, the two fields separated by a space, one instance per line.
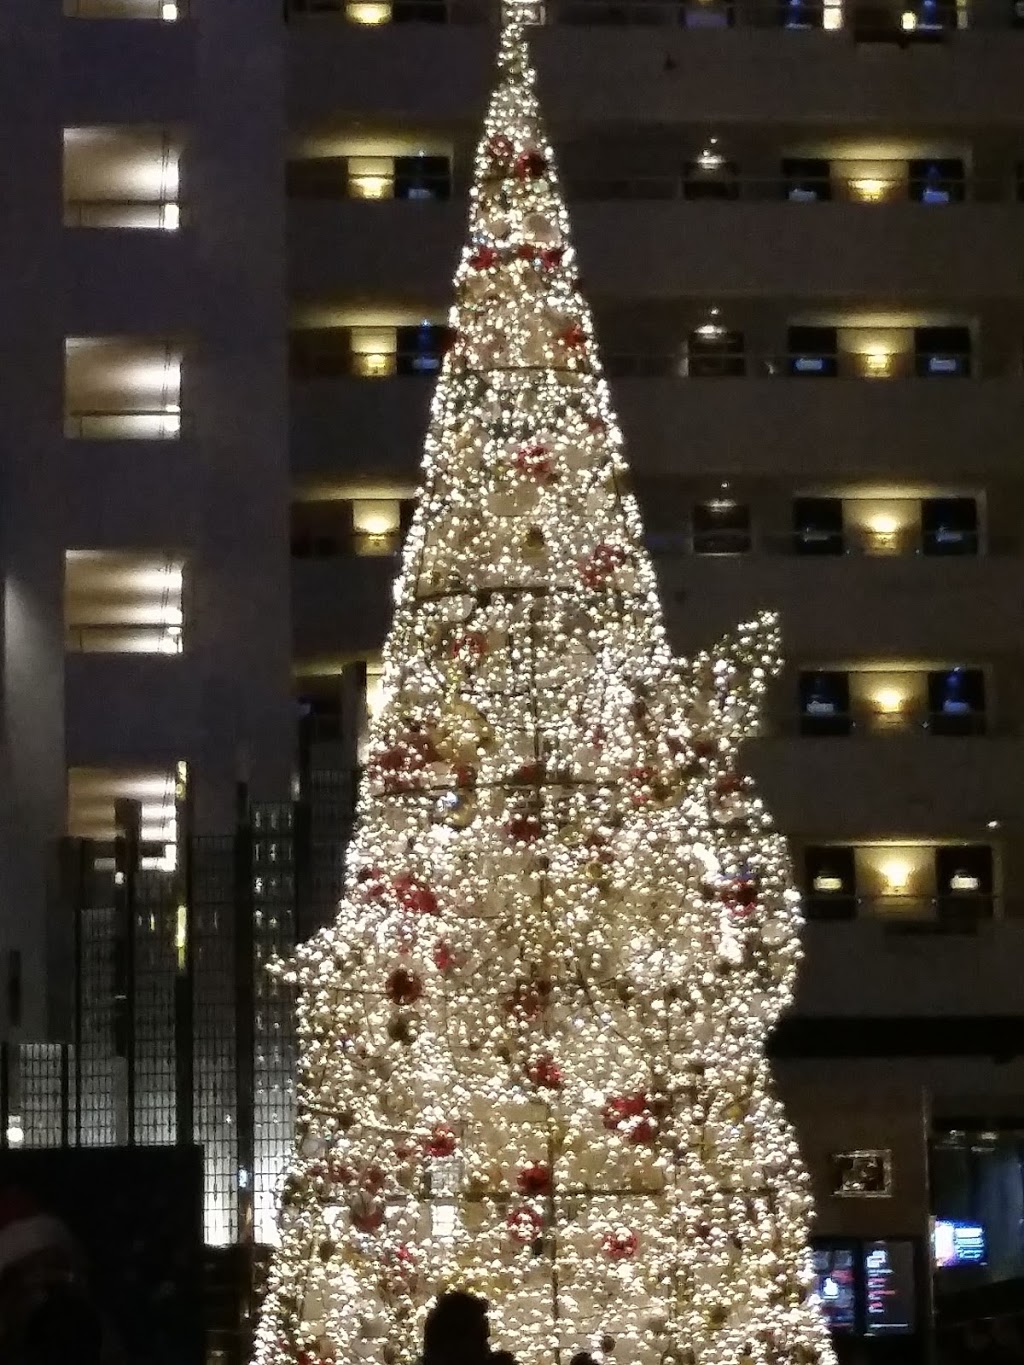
x=582 y=1358
x=503 y=1358
x=456 y=1330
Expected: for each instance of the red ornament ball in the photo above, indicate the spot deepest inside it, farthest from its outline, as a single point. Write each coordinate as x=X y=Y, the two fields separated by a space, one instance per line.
x=545 y=1073
x=643 y=1132
x=445 y=957
x=442 y=1141
x=535 y=462
x=524 y=1224
x=530 y=165
x=551 y=257
x=524 y=828
x=404 y=987
x=414 y=896
x=534 y=1178
x=620 y=1244
x=528 y=999
x=619 y=1109
x=483 y=258
x=374 y=1178
x=573 y=336
x=500 y=148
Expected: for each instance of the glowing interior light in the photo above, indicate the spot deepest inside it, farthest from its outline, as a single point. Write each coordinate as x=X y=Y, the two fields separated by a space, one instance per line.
x=897 y=874
x=889 y=700
x=883 y=524
x=908 y=21
x=168 y=11
x=170 y=217
x=878 y=363
x=869 y=189
x=369 y=12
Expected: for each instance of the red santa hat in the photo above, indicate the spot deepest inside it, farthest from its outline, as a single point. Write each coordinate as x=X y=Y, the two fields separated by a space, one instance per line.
x=25 y=1230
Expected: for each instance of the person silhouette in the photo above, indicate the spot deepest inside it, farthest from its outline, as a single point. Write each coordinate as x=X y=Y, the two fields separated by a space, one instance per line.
x=456 y=1331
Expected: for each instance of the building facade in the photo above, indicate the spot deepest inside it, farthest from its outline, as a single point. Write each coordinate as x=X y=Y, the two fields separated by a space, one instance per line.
x=229 y=233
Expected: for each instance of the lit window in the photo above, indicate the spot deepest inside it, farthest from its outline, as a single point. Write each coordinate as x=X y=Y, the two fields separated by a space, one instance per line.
x=122 y=388
x=121 y=177
x=376 y=523
x=368 y=12
x=122 y=603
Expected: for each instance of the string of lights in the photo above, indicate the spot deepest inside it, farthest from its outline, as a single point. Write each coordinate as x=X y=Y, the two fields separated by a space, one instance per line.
x=532 y=1041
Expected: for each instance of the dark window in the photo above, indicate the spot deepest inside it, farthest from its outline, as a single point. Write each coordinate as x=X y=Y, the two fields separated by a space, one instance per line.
x=708 y=14
x=956 y=701
x=942 y=351
x=712 y=352
x=818 y=526
x=933 y=15
x=813 y=352
x=800 y=13
x=420 y=349
x=830 y=889
x=937 y=182
x=319 y=352
x=418 y=12
x=805 y=179
x=721 y=527
x=824 y=704
x=423 y=177
x=949 y=526
x=964 y=883
x=317 y=178
x=710 y=178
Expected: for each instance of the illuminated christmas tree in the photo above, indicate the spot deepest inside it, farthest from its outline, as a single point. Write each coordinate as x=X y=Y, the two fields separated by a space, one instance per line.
x=532 y=1043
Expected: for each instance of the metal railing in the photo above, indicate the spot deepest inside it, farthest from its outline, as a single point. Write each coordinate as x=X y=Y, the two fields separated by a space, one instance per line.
x=167 y=11
x=876 y=367
x=113 y=424
x=116 y=638
x=137 y=214
x=867 y=722
x=932 y=20
x=325 y=361
x=954 y=912
x=329 y=179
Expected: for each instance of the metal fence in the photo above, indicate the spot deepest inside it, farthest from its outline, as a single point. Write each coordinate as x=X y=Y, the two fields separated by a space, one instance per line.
x=178 y=1035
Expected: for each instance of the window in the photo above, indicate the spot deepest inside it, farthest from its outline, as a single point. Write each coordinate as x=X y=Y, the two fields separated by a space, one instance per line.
x=422 y=177
x=420 y=348
x=320 y=709
x=937 y=182
x=830 y=883
x=806 y=180
x=813 y=352
x=122 y=177
x=721 y=527
x=710 y=176
x=942 y=352
x=862 y=1174
x=825 y=704
x=419 y=11
x=122 y=388
x=320 y=352
x=956 y=702
x=930 y=16
x=797 y=14
x=117 y=602
x=818 y=526
x=713 y=352
x=949 y=526
x=964 y=883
